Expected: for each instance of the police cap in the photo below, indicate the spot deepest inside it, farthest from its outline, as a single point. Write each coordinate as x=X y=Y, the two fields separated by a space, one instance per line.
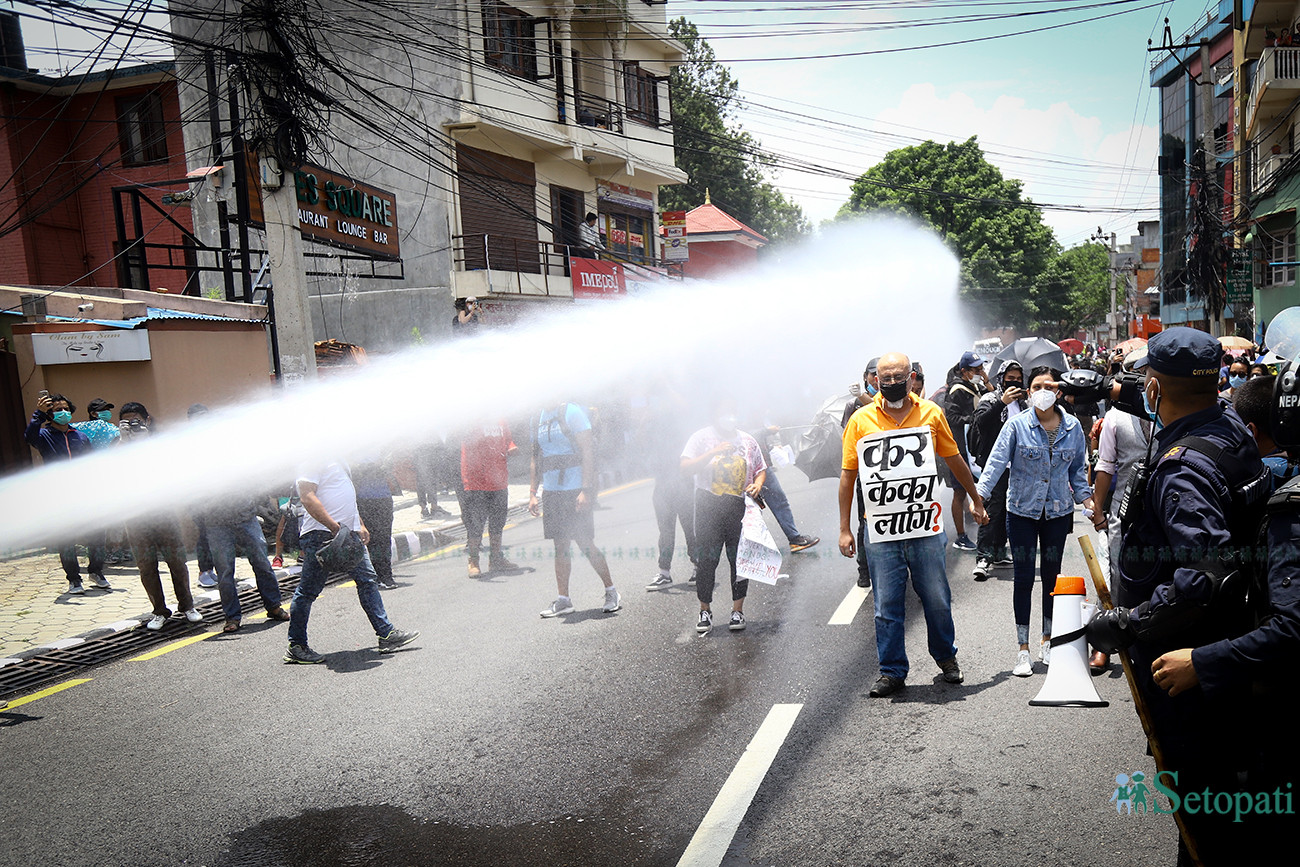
x=1183 y=352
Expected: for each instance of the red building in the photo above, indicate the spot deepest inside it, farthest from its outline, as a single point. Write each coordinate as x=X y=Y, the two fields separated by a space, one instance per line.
x=719 y=244
x=66 y=144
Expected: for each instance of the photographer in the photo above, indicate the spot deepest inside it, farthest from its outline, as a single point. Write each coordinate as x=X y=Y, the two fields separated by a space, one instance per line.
x=467 y=315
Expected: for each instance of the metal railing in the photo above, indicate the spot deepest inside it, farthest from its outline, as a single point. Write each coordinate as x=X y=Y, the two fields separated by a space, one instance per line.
x=520 y=256
x=1275 y=65
x=598 y=113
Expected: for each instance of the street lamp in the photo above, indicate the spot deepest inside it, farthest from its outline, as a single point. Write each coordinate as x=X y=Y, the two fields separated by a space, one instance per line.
x=1113 y=318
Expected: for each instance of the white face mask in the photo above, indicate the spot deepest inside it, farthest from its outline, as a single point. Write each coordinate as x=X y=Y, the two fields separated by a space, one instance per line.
x=1043 y=399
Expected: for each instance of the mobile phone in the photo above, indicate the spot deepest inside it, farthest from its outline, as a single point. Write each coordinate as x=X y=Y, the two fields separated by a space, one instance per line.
x=44 y=392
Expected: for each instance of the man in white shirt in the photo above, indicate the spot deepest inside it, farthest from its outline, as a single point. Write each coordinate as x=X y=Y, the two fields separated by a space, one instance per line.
x=330 y=503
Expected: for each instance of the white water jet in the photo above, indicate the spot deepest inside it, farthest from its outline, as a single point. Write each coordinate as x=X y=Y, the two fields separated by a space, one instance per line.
x=781 y=338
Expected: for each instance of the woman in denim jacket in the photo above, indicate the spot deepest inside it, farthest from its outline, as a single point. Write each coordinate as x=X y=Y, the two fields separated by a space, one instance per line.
x=1046 y=452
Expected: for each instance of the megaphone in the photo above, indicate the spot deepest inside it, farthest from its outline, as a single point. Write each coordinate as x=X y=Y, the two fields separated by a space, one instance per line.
x=1068 y=683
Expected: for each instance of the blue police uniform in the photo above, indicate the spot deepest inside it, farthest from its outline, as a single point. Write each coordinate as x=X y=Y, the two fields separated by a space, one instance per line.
x=1188 y=518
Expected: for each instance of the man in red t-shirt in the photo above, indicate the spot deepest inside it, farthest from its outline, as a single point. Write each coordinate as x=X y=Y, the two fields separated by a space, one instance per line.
x=484 y=477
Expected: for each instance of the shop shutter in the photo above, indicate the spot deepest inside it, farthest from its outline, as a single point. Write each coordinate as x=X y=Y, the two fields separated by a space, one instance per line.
x=498 y=199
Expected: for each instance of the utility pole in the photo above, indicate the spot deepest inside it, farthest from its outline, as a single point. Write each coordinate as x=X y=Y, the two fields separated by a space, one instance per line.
x=1112 y=320
x=1214 y=313
x=293 y=329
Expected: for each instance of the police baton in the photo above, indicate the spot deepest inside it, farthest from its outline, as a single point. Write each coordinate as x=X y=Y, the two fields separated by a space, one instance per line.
x=1139 y=702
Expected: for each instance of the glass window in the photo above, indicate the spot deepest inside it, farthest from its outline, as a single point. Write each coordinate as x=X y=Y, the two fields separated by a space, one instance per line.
x=509 y=39
x=1175 y=126
x=641 y=94
x=141 y=130
x=625 y=235
x=1281 y=257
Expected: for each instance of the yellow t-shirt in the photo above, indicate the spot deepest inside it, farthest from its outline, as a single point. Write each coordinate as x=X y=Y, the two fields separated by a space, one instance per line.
x=873 y=419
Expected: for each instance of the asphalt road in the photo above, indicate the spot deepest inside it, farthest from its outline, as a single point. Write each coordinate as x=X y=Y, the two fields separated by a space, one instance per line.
x=500 y=738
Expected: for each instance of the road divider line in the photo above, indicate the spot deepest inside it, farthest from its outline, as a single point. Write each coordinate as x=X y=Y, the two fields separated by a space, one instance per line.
x=848 y=609
x=709 y=845
x=175 y=645
x=58 y=687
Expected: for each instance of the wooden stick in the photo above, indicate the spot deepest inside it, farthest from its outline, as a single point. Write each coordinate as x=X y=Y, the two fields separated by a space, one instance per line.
x=1139 y=702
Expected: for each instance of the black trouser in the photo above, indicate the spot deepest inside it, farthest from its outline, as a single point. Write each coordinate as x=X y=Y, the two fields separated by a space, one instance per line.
x=673 y=503
x=863 y=571
x=717 y=526
x=151 y=541
x=95 y=547
x=991 y=541
x=377 y=516
x=479 y=509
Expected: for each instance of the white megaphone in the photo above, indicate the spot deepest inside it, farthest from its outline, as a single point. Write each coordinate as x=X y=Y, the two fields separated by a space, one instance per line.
x=1068 y=682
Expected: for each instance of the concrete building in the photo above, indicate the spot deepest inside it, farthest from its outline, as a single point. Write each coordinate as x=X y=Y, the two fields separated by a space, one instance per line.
x=1268 y=185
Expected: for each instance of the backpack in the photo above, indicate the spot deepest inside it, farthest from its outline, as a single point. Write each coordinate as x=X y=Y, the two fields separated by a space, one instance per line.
x=546 y=463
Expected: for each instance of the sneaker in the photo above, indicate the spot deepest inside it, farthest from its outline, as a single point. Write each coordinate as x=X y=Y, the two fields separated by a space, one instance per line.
x=799 y=543
x=613 y=601
x=951 y=671
x=302 y=655
x=473 y=570
x=1045 y=652
x=981 y=570
x=396 y=638
x=705 y=623
x=386 y=584
x=156 y=622
x=1024 y=667
x=864 y=580
x=100 y=581
x=737 y=622
x=886 y=685
x=1004 y=560
x=208 y=579
x=660 y=582
x=963 y=543
x=561 y=605
x=193 y=615
x=424 y=512
x=277 y=562
x=75 y=588
x=695 y=572
x=501 y=564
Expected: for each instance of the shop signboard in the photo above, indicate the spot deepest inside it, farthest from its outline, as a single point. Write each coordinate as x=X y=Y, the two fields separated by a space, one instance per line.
x=596 y=278
x=82 y=347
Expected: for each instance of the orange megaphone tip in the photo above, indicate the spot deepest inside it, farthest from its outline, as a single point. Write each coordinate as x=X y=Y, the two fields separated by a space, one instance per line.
x=1069 y=585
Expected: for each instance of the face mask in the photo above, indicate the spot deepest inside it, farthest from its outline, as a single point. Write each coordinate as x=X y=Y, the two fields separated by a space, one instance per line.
x=1043 y=399
x=895 y=391
x=977 y=381
x=105 y=415
x=62 y=416
x=872 y=390
x=1236 y=381
x=1153 y=412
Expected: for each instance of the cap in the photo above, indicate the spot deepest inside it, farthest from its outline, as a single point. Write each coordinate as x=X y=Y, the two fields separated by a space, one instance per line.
x=871 y=365
x=1182 y=352
x=471 y=299
x=98 y=405
x=970 y=359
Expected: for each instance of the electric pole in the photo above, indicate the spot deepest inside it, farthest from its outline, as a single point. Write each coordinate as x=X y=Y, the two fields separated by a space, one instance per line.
x=1112 y=320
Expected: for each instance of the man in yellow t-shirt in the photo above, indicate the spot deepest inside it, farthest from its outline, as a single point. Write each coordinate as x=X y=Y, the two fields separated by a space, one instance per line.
x=892 y=560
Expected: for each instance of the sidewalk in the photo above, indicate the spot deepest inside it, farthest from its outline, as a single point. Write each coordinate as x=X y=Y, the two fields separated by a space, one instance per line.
x=37 y=614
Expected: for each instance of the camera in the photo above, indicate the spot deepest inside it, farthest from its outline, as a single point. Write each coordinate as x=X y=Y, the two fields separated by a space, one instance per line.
x=85 y=308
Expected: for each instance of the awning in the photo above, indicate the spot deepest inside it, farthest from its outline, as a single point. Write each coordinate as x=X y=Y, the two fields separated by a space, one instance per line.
x=1285 y=198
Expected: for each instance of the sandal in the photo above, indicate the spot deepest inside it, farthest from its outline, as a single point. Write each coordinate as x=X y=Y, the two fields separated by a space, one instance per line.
x=277 y=614
x=231 y=626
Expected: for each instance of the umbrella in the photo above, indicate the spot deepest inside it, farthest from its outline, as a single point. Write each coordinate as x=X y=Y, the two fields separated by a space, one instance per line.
x=1031 y=352
x=1131 y=344
x=821 y=447
x=1235 y=342
x=1071 y=346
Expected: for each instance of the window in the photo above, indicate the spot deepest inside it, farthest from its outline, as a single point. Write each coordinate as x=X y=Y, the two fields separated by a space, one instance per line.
x=642 y=94
x=1281 y=250
x=625 y=235
x=509 y=39
x=141 y=129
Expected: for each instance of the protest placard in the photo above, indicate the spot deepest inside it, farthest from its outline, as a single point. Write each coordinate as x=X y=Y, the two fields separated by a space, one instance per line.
x=899 y=481
x=757 y=556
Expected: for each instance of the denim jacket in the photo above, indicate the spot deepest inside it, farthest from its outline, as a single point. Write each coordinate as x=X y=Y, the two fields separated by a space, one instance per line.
x=1035 y=490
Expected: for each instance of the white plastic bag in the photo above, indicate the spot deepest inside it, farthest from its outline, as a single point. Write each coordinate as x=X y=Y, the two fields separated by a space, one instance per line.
x=758 y=558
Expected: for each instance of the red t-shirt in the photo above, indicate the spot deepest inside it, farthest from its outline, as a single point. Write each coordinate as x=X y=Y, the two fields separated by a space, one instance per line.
x=483 y=458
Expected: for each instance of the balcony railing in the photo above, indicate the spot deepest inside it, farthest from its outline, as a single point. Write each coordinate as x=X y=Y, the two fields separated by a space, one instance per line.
x=599 y=113
x=1278 y=68
x=521 y=256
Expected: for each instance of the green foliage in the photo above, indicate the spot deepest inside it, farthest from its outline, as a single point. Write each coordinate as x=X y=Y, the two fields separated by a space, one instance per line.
x=416 y=337
x=716 y=152
x=1001 y=240
x=1074 y=291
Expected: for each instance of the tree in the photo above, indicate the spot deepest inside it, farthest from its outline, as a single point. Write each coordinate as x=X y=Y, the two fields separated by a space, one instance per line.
x=997 y=234
x=1073 y=291
x=716 y=152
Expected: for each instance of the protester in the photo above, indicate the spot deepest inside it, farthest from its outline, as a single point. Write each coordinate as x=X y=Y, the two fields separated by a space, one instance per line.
x=232 y=524
x=331 y=528
x=372 y=477
x=103 y=434
x=774 y=495
x=871 y=381
x=966 y=385
x=673 y=497
x=563 y=466
x=50 y=432
x=485 y=479
x=207 y=566
x=991 y=416
x=727 y=465
x=892 y=560
x=156 y=536
x=1238 y=374
x=1046 y=455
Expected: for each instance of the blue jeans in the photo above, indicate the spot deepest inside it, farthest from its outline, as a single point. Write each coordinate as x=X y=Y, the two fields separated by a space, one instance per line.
x=774 y=496
x=312 y=583
x=222 y=539
x=890 y=564
x=1024 y=535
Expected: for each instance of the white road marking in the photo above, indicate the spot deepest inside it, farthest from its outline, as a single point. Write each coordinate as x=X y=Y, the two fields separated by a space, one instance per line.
x=848 y=609
x=709 y=845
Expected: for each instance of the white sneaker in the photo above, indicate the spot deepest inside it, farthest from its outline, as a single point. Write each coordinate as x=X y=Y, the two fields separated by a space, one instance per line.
x=561 y=605
x=1024 y=667
x=208 y=579
x=155 y=623
x=1045 y=652
x=613 y=601
x=660 y=582
x=193 y=615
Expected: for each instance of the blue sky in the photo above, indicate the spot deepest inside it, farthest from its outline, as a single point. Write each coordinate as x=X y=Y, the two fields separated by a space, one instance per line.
x=1069 y=111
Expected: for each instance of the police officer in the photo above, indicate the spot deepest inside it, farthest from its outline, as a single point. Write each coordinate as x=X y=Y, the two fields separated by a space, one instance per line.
x=1188 y=518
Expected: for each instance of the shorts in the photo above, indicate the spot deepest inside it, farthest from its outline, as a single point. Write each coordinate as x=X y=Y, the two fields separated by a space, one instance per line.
x=561 y=519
